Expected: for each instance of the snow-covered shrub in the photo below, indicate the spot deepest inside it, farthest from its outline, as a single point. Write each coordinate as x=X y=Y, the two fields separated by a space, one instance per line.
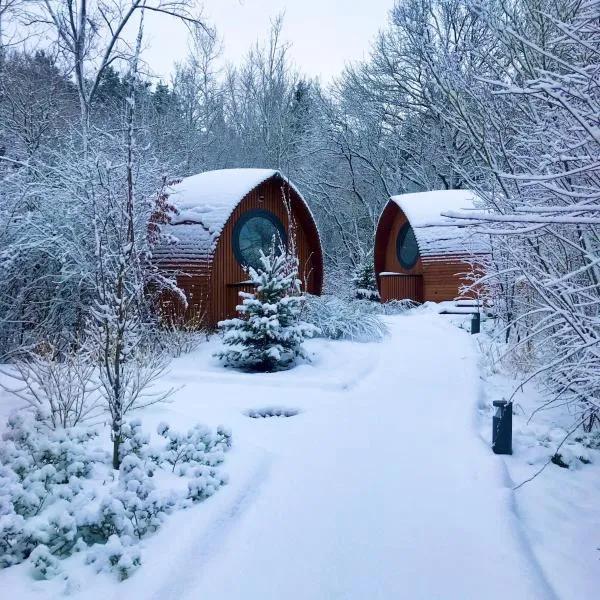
x=344 y=319
x=269 y=333
x=57 y=532
x=394 y=307
x=42 y=466
x=199 y=446
x=271 y=411
x=15 y=546
x=143 y=506
x=43 y=564
x=133 y=508
x=48 y=502
x=134 y=440
x=116 y=556
x=59 y=385
x=364 y=279
x=179 y=337
x=42 y=473
x=206 y=481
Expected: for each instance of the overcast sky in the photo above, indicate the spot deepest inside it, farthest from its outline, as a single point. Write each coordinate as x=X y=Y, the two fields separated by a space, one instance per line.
x=325 y=34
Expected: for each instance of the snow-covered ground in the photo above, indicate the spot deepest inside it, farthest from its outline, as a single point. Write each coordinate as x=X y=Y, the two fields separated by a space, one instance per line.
x=559 y=509
x=382 y=486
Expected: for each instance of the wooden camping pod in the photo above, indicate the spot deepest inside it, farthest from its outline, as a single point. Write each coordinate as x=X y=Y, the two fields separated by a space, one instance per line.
x=203 y=257
x=438 y=254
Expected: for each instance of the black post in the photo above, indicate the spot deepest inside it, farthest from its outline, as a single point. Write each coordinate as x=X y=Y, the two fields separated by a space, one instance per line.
x=475 y=323
x=502 y=427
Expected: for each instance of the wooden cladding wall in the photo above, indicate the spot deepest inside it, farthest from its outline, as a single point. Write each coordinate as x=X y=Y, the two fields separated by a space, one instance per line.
x=401 y=287
x=194 y=281
x=226 y=269
x=212 y=287
x=443 y=278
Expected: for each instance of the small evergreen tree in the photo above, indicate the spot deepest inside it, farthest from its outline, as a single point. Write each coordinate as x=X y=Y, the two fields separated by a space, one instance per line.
x=364 y=279
x=269 y=333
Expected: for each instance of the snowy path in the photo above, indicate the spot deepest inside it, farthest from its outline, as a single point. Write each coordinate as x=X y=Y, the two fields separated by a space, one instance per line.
x=381 y=487
x=382 y=491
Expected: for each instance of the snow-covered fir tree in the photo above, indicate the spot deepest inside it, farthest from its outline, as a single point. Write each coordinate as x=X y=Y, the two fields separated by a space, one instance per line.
x=269 y=333
x=364 y=279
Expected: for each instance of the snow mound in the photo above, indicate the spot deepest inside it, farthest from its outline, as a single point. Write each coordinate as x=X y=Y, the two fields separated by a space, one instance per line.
x=271 y=411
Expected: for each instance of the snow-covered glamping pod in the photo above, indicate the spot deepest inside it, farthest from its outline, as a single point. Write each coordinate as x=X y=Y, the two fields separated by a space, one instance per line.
x=419 y=254
x=221 y=221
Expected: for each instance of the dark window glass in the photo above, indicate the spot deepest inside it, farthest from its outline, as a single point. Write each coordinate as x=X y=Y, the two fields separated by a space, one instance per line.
x=406 y=247
x=256 y=230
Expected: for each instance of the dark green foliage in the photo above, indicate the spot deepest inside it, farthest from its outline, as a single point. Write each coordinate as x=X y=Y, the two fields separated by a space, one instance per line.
x=557 y=460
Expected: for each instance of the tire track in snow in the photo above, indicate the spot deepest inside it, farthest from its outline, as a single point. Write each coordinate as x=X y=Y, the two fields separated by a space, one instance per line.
x=192 y=558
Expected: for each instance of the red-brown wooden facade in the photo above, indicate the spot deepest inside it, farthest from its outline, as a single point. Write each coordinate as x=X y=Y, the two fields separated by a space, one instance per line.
x=433 y=278
x=212 y=285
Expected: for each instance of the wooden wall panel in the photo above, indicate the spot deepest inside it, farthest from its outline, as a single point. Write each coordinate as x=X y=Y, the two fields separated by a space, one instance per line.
x=402 y=287
x=227 y=272
x=194 y=281
x=443 y=278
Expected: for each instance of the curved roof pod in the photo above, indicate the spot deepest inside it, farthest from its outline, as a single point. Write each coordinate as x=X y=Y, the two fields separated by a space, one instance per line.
x=203 y=236
x=419 y=253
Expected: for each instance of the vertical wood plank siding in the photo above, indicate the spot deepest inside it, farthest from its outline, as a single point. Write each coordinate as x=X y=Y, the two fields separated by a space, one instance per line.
x=212 y=287
x=441 y=276
x=401 y=287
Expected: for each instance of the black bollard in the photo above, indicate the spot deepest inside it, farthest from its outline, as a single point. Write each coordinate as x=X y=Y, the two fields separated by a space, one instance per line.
x=475 y=323
x=502 y=427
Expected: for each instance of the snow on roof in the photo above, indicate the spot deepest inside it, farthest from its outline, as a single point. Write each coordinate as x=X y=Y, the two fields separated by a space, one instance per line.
x=438 y=235
x=204 y=203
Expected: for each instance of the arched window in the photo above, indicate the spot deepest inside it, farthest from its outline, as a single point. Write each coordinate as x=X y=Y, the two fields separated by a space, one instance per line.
x=254 y=231
x=406 y=247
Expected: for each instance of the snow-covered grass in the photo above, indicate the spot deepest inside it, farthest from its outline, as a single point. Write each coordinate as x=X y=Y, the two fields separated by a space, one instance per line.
x=383 y=485
x=344 y=319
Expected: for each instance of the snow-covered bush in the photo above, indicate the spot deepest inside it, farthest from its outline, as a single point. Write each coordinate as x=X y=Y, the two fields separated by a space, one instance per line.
x=339 y=319
x=42 y=473
x=179 y=337
x=268 y=412
x=199 y=446
x=116 y=556
x=57 y=531
x=206 y=481
x=49 y=501
x=59 y=385
x=134 y=508
x=364 y=279
x=394 y=307
x=269 y=333
x=43 y=564
x=133 y=440
x=15 y=547
x=40 y=466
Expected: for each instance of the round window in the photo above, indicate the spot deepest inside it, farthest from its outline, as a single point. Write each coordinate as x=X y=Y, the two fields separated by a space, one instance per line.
x=406 y=247
x=256 y=230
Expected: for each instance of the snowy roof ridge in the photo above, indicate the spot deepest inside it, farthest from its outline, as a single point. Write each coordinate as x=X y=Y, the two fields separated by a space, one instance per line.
x=202 y=197
x=204 y=203
x=435 y=233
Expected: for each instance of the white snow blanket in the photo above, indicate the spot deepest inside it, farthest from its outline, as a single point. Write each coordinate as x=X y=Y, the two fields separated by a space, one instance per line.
x=379 y=488
x=437 y=235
